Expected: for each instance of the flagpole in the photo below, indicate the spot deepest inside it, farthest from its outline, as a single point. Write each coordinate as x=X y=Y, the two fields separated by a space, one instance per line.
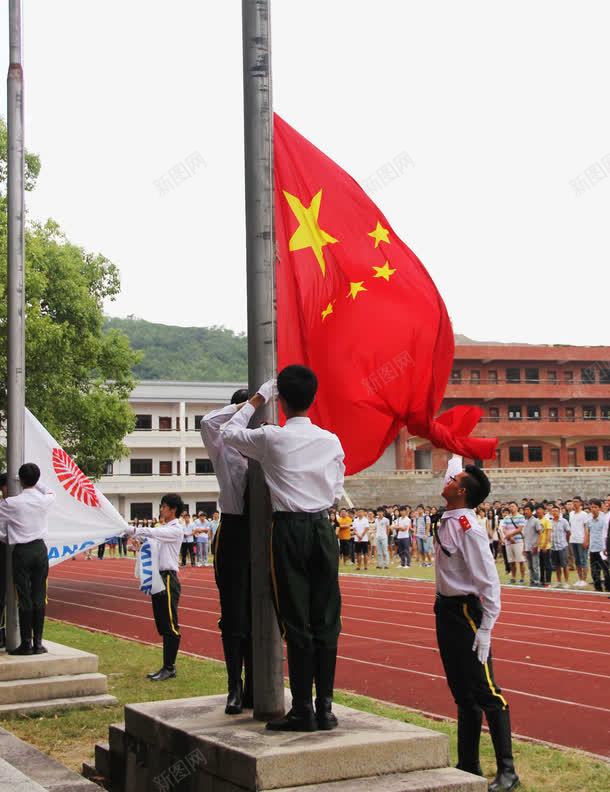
x=15 y=291
x=262 y=365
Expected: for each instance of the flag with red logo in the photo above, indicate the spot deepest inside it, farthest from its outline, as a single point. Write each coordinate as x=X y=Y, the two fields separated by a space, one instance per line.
x=81 y=517
x=356 y=305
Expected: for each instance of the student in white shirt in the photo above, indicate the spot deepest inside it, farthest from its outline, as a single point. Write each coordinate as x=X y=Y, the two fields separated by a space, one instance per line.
x=361 y=539
x=403 y=538
x=24 y=524
x=304 y=470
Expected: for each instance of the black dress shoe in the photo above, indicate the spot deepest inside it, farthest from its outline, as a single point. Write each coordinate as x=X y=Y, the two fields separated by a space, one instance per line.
x=24 y=648
x=505 y=781
x=325 y=718
x=39 y=648
x=163 y=674
x=295 y=720
x=154 y=673
x=234 y=701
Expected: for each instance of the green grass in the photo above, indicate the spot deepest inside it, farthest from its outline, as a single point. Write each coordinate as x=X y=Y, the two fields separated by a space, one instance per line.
x=70 y=736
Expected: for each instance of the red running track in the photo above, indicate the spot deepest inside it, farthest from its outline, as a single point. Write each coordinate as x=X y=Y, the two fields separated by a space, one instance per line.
x=551 y=648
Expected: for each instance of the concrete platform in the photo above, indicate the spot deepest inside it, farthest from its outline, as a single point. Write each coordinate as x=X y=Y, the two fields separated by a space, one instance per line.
x=58 y=704
x=59 y=660
x=192 y=745
x=12 y=780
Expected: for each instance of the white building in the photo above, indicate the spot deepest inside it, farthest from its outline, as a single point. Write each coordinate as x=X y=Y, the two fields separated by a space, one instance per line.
x=166 y=453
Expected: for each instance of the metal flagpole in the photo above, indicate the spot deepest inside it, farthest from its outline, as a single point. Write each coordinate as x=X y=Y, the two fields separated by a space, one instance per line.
x=15 y=292
x=260 y=255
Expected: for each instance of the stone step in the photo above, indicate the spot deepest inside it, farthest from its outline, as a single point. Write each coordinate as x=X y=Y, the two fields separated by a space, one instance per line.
x=43 y=772
x=117 y=739
x=13 y=780
x=445 y=779
x=50 y=705
x=102 y=759
x=59 y=660
x=52 y=687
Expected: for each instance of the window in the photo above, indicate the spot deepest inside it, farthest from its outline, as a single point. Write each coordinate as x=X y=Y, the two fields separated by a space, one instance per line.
x=591 y=453
x=569 y=413
x=208 y=507
x=492 y=377
x=456 y=377
x=177 y=424
x=532 y=375
x=605 y=412
x=514 y=412
x=165 y=468
x=108 y=468
x=494 y=414
x=140 y=511
x=587 y=375
x=475 y=377
x=589 y=413
x=513 y=375
x=555 y=457
x=165 y=424
x=533 y=412
x=553 y=413
x=568 y=377
x=515 y=454
x=197 y=426
x=140 y=467
x=606 y=451
x=604 y=373
x=551 y=377
x=203 y=467
x=143 y=423
x=534 y=453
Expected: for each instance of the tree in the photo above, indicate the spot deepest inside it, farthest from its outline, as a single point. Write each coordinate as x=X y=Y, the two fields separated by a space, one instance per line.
x=78 y=378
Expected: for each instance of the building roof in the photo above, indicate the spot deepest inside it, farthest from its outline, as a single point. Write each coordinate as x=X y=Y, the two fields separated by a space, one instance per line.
x=174 y=390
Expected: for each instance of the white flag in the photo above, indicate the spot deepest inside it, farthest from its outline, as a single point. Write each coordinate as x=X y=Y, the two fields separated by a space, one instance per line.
x=81 y=516
x=147 y=568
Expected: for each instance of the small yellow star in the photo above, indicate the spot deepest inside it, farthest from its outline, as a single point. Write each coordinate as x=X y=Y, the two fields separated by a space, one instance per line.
x=384 y=272
x=380 y=234
x=309 y=233
x=327 y=311
x=355 y=288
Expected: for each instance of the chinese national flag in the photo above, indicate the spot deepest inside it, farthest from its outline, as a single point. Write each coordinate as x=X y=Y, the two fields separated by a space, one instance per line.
x=358 y=307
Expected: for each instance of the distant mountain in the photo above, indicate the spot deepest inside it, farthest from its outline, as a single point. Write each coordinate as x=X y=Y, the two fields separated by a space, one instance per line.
x=206 y=354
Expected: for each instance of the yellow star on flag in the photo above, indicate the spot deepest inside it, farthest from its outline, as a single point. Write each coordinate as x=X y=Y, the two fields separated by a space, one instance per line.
x=355 y=288
x=380 y=234
x=384 y=272
x=309 y=233
x=327 y=311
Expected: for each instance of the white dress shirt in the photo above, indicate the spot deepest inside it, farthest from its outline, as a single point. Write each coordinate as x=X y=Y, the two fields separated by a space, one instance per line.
x=302 y=463
x=24 y=517
x=229 y=465
x=169 y=537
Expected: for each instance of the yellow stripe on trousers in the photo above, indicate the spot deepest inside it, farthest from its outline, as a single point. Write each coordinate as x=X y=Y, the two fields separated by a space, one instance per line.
x=274 y=584
x=169 y=607
x=485 y=665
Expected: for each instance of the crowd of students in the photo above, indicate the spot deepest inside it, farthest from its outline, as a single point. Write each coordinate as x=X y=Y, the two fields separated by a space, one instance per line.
x=550 y=536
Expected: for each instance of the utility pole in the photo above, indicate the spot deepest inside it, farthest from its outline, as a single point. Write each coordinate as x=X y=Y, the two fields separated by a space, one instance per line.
x=262 y=365
x=15 y=292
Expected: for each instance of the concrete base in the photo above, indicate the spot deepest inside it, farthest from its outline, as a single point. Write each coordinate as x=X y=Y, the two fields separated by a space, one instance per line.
x=64 y=678
x=192 y=746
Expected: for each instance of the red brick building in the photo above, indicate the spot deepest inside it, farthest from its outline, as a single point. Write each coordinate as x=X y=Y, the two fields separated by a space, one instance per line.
x=549 y=406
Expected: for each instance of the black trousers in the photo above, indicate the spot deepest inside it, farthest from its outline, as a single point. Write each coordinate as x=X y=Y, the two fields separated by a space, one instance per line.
x=471 y=682
x=599 y=567
x=100 y=550
x=231 y=549
x=165 y=610
x=404 y=551
x=30 y=572
x=546 y=567
x=187 y=547
x=2 y=581
x=305 y=579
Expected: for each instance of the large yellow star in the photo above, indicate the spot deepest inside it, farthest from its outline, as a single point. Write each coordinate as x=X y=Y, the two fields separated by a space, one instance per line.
x=380 y=234
x=384 y=272
x=355 y=288
x=309 y=233
x=327 y=311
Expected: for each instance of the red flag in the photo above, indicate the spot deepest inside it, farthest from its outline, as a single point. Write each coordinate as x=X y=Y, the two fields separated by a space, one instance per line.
x=358 y=307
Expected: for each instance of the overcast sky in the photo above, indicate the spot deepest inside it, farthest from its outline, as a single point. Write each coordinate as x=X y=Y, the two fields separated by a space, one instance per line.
x=502 y=107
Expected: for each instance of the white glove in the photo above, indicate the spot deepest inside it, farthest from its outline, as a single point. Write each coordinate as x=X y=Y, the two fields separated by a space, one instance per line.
x=268 y=390
x=481 y=645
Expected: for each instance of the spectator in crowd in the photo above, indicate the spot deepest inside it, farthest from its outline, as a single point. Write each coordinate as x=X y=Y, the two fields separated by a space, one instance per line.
x=492 y=531
x=403 y=538
x=544 y=546
x=422 y=532
x=188 y=540
x=382 y=530
x=201 y=532
x=594 y=542
x=531 y=537
x=560 y=537
x=578 y=519
x=370 y=515
x=344 y=532
x=361 y=539
x=513 y=525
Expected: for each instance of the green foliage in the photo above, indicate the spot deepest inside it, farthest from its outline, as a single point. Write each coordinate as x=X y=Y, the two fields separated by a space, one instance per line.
x=212 y=354
x=78 y=378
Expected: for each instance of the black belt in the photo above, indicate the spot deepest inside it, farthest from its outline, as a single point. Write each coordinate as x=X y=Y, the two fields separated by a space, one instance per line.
x=321 y=515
